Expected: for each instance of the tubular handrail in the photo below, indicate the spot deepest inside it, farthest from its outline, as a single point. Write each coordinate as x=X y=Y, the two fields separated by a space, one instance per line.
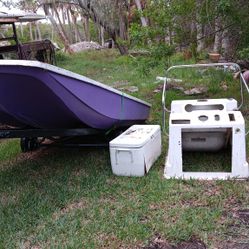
x=164 y=79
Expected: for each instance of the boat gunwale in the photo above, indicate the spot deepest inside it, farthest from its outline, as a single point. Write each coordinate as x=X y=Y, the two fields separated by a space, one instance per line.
x=67 y=73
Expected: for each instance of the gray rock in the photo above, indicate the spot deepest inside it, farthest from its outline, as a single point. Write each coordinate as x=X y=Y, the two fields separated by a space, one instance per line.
x=85 y=45
x=132 y=89
x=196 y=91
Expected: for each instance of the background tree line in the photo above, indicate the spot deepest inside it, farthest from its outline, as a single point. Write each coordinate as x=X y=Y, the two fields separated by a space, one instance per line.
x=160 y=27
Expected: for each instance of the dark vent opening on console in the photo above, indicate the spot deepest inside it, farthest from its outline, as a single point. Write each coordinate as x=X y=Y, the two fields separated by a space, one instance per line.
x=180 y=121
x=190 y=108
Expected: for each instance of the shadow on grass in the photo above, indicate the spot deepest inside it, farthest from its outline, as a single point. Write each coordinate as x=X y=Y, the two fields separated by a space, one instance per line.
x=38 y=183
x=214 y=161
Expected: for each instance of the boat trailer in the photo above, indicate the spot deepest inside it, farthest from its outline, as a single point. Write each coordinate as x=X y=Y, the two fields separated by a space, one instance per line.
x=32 y=139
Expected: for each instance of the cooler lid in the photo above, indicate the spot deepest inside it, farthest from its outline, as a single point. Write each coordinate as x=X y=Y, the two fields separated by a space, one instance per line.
x=136 y=136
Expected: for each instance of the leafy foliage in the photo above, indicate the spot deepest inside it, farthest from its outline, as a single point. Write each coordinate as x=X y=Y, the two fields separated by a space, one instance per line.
x=244 y=53
x=178 y=24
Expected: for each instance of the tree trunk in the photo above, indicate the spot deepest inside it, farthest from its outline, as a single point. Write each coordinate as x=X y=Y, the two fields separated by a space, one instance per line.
x=52 y=33
x=115 y=25
x=21 y=28
x=226 y=44
x=199 y=27
x=83 y=27
x=61 y=34
x=171 y=42
x=123 y=33
x=38 y=31
x=69 y=22
x=60 y=23
x=35 y=31
x=76 y=36
x=123 y=50
x=199 y=37
x=218 y=36
x=193 y=44
x=63 y=15
x=76 y=30
x=30 y=32
x=143 y=19
x=87 y=29
x=101 y=35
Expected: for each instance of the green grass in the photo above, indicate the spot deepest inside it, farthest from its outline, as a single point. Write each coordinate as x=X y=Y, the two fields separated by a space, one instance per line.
x=69 y=198
x=8 y=149
x=214 y=161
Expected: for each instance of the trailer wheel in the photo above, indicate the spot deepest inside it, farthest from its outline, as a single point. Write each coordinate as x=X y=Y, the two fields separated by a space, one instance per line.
x=29 y=144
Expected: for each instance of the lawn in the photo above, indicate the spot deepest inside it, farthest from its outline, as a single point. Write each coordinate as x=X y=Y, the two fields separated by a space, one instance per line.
x=69 y=198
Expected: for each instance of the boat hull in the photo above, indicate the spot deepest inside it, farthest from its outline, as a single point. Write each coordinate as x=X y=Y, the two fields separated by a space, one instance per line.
x=38 y=95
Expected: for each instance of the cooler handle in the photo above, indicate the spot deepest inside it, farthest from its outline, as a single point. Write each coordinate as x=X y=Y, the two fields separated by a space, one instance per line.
x=123 y=150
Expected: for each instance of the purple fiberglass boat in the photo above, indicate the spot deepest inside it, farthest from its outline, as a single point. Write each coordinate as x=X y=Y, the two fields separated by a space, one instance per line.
x=39 y=95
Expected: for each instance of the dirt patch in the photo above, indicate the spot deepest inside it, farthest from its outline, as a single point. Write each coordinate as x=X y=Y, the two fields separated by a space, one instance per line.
x=35 y=247
x=192 y=244
x=173 y=86
x=235 y=246
x=196 y=91
x=118 y=84
x=111 y=241
x=34 y=155
x=237 y=232
x=7 y=199
x=131 y=89
x=159 y=243
x=242 y=216
x=69 y=208
x=29 y=156
x=27 y=245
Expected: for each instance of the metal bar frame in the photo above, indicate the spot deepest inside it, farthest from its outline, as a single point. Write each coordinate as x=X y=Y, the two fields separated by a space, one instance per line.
x=90 y=137
x=7 y=38
x=21 y=133
x=75 y=145
x=228 y=64
x=15 y=34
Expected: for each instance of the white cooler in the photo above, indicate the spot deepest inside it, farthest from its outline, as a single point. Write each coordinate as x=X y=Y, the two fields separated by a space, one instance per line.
x=134 y=151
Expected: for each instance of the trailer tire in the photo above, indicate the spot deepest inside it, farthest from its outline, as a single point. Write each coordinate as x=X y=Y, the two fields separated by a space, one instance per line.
x=29 y=144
